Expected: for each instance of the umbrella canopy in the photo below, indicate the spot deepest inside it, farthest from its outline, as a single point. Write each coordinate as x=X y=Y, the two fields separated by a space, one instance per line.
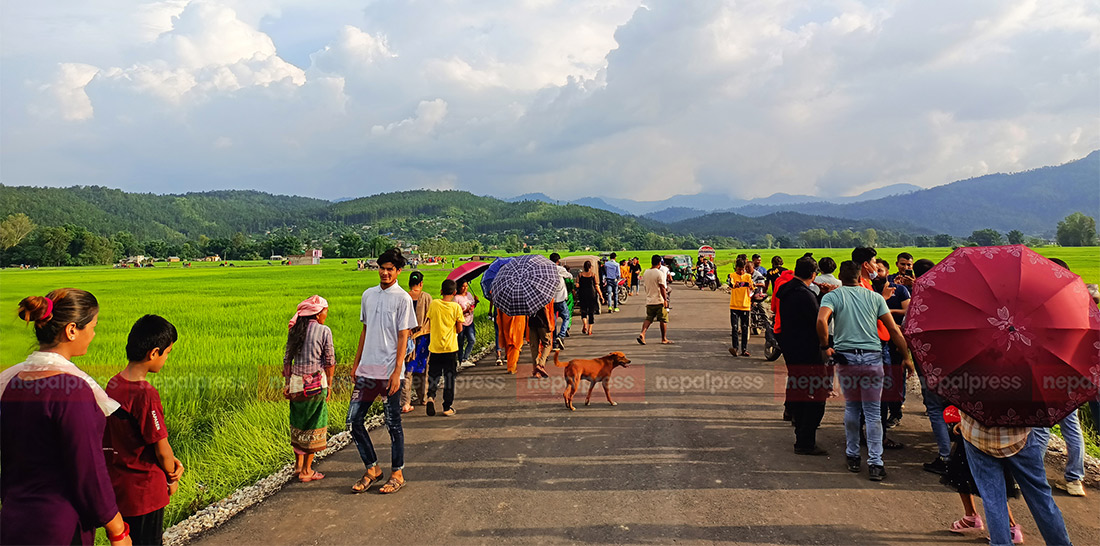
x=1008 y=336
x=490 y=274
x=525 y=285
x=467 y=272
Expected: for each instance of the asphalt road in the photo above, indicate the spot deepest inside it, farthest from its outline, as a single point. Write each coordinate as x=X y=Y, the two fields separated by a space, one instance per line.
x=696 y=451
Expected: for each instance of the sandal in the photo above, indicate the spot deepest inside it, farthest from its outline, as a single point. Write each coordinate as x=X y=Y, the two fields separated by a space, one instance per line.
x=969 y=524
x=312 y=478
x=640 y=340
x=393 y=485
x=364 y=484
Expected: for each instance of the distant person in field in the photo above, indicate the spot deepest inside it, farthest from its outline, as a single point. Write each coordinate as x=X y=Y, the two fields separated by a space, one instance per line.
x=54 y=484
x=308 y=365
x=388 y=318
x=144 y=470
x=416 y=357
x=445 y=317
x=655 y=282
x=467 y=300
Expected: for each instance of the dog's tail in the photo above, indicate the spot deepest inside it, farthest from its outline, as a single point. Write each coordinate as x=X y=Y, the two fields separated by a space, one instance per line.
x=559 y=363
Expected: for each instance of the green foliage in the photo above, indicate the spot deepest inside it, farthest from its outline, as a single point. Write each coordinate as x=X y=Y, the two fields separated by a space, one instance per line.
x=1077 y=230
x=14 y=229
x=1016 y=237
x=986 y=237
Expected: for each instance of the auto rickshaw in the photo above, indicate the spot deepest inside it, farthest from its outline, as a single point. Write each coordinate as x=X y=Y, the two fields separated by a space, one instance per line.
x=679 y=265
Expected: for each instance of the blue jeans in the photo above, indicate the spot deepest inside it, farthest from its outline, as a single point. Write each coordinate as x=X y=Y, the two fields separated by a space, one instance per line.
x=561 y=310
x=366 y=392
x=933 y=407
x=861 y=380
x=1075 y=446
x=612 y=293
x=1027 y=467
x=466 y=339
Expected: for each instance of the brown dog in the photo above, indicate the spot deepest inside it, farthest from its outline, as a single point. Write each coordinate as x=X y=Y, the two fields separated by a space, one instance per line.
x=594 y=370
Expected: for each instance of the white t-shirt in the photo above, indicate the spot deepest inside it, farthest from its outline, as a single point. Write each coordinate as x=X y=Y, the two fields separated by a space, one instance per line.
x=664 y=275
x=384 y=313
x=562 y=294
x=653 y=280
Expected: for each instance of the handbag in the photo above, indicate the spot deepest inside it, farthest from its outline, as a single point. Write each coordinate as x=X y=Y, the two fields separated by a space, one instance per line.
x=313 y=383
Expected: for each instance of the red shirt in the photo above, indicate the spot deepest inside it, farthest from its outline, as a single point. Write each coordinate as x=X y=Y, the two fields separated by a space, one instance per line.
x=780 y=281
x=141 y=486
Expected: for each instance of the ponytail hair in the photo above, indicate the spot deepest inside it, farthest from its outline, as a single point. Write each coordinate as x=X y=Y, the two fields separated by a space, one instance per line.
x=52 y=313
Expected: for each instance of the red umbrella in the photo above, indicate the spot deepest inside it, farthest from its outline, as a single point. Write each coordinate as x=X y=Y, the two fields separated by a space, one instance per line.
x=1008 y=336
x=467 y=272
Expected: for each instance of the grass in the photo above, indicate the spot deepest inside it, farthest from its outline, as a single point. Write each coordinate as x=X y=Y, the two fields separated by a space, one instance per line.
x=220 y=387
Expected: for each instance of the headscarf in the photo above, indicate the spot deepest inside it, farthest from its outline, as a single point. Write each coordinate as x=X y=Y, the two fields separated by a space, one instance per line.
x=309 y=307
x=44 y=361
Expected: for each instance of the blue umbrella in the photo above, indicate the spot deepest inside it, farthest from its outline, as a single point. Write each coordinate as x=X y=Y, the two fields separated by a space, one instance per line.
x=525 y=285
x=490 y=274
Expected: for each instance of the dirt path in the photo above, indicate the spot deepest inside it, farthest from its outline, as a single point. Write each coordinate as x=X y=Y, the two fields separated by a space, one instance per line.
x=696 y=451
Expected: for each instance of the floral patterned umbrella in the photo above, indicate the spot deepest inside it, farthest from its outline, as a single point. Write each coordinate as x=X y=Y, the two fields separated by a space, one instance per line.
x=1008 y=336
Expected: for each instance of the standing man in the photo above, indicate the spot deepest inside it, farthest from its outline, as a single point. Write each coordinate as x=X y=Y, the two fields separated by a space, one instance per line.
x=611 y=276
x=387 y=315
x=933 y=403
x=808 y=380
x=561 y=303
x=758 y=265
x=858 y=355
x=656 y=300
x=666 y=276
x=740 y=305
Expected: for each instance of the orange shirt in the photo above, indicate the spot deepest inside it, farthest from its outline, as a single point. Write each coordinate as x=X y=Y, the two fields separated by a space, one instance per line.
x=883 y=333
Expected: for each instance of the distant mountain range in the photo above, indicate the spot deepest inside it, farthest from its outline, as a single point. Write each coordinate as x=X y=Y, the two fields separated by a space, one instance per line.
x=1031 y=201
x=703 y=203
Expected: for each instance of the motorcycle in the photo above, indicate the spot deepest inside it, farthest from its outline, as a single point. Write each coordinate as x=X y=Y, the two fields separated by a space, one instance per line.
x=706 y=279
x=761 y=324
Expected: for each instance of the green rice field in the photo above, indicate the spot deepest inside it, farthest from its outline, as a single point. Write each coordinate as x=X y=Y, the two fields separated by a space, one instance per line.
x=221 y=387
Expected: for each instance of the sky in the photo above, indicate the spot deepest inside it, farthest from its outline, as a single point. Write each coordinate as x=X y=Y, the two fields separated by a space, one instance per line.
x=624 y=98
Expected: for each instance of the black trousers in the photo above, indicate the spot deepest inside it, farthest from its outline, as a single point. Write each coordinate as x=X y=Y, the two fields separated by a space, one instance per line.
x=806 y=417
x=445 y=365
x=740 y=318
x=147 y=530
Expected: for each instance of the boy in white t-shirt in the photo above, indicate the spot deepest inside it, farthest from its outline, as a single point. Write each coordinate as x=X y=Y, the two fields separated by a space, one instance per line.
x=387 y=315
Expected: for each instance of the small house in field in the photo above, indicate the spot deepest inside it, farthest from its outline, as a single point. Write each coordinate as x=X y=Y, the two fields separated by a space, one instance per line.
x=172 y=259
x=276 y=258
x=139 y=259
x=212 y=259
x=311 y=257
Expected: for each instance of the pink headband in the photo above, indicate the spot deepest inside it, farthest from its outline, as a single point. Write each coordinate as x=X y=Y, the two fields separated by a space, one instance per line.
x=309 y=307
x=49 y=308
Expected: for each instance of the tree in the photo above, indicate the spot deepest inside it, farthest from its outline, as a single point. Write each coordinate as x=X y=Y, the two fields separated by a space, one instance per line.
x=128 y=243
x=511 y=244
x=1015 y=237
x=923 y=241
x=157 y=249
x=986 y=237
x=14 y=229
x=870 y=237
x=783 y=242
x=349 y=245
x=55 y=244
x=96 y=250
x=944 y=239
x=769 y=240
x=1077 y=230
x=377 y=245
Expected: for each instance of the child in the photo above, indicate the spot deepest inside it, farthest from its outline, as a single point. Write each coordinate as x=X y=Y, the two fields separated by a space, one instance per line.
x=445 y=318
x=144 y=471
x=958 y=477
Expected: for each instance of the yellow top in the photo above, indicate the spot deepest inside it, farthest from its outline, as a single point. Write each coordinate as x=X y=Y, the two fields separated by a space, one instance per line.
x=742 y=290
x=443 y=316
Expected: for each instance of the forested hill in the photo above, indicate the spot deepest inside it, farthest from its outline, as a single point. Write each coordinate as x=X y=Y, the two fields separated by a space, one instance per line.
x=148 y=216
x=1031 y=201
x=786 y=224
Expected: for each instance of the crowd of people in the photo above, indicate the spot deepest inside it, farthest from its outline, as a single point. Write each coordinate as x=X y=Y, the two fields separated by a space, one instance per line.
x=847 y=333
x=836 y=324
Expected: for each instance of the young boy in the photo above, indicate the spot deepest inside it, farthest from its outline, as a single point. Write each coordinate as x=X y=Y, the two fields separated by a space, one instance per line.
x=445 y=318
x=143 y=469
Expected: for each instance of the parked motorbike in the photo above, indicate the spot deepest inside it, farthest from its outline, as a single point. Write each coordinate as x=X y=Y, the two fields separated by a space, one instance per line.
x=706 y=279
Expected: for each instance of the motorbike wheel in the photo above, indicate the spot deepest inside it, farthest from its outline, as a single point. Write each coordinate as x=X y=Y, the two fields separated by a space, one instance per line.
x=713 y=286
x=771 y=351
x=689 y=279
x=623 y=294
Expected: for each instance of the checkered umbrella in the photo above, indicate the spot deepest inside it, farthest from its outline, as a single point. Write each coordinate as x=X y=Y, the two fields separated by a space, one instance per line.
x=525 y=285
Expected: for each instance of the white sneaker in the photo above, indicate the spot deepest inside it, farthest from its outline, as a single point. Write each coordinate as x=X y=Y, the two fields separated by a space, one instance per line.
x=466 y=364
x=1075 y=488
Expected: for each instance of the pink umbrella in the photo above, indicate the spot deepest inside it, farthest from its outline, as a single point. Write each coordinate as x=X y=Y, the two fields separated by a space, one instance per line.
x=467 y=272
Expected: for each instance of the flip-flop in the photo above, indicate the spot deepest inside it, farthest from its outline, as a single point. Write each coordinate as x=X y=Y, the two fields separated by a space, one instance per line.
x=316 y=476
x=640 y=340
x=667 y=342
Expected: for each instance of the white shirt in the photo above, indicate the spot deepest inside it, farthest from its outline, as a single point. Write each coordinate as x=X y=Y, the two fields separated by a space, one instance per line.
x=664 y=277
x=561 y=294
x=384 y=313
